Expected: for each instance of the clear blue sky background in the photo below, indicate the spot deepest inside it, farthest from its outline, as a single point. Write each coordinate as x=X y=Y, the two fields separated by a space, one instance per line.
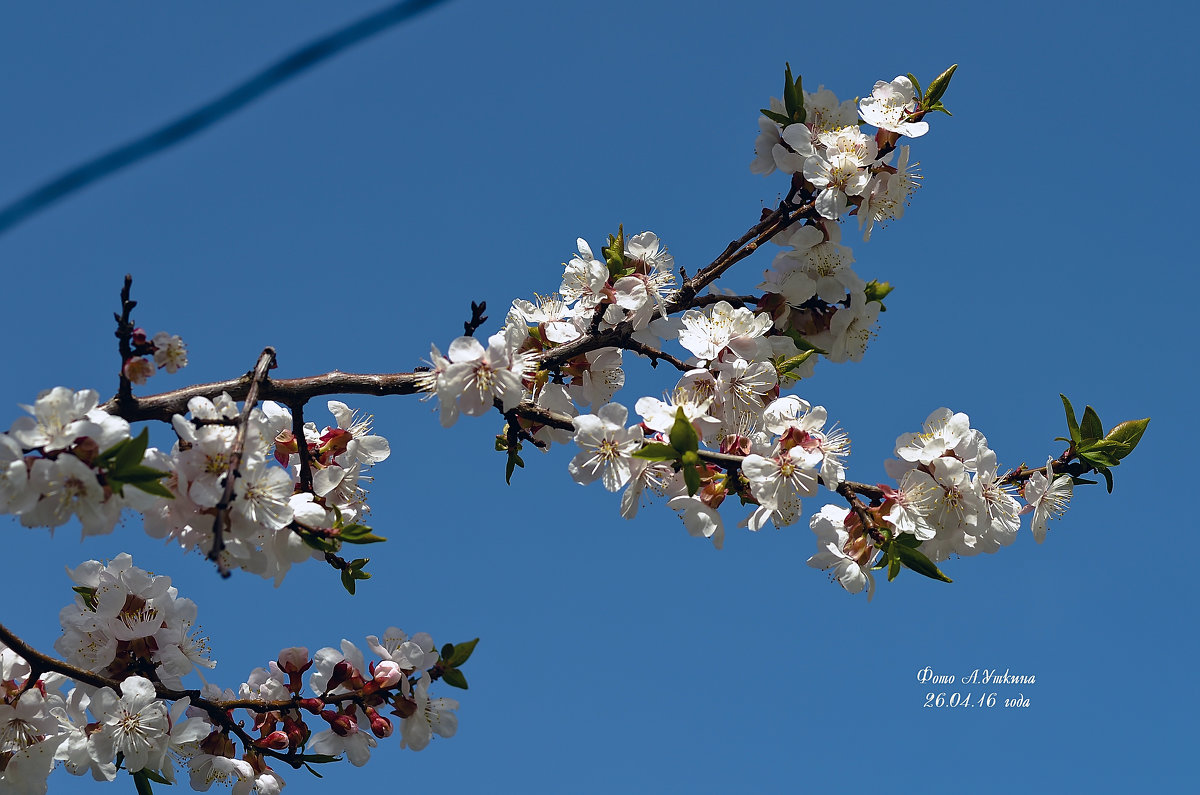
x=457 y=159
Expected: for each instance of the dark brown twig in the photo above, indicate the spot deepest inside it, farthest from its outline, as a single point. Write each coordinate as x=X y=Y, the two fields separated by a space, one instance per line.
x=266 y=360
x=124 y=336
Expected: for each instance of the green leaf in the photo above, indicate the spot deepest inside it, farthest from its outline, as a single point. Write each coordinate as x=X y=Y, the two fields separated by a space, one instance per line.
x=1128 y=432
x=131 y=455
x=1090 y=427
x=915 y=559
x=514 y=461
x=155 y=488
x=140 y=474
x=877 y=291
x=1072 y=425
x=804 y=344
x=1107 y=446
x=447 y=650
x=937 y=88
x=692 y=478
x=683 y=435
x=778 y=118
x=1108 y=480
x=155 y=776
x=462 y=652
x=1099 y=459
x=893 y=561
x=319 y=759
x=657 y=451
x=1082 y=482
x=369 y=538
x=788 y=366
x=454 y=678
x=614 y=253
x=88 y=595
x=790 y=102
x=908 y=540
x=348 y=581
x=141 y=782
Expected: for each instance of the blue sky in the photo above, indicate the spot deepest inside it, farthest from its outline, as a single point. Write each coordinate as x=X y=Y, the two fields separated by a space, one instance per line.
x=457 y=158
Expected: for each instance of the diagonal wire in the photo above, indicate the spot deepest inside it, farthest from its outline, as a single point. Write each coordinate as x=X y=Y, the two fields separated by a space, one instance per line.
x=210 y=113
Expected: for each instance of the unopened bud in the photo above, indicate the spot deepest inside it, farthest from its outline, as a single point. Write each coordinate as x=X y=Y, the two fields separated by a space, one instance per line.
x=276 y=740
x=285 y=447
x=297 y=732
x=388 y=673
x=380 y=726
x=294 y=660
x=312 y=705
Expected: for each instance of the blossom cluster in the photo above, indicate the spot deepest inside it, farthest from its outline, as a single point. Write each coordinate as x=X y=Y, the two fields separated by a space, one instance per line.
x=950 y=500
x=132 y=629
x=163 y=351
x=72 y=458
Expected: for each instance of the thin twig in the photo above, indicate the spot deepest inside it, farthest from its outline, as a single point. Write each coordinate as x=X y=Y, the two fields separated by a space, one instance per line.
x=124 y=336
x=266 y=360
x=210 y=113
x=306 y=475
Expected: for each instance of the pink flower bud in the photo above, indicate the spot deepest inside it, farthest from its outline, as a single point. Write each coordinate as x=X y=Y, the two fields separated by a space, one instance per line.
x=380 y=726
x=138 y=337
x=313 y=705
x=388 y=673
x=294 y=660
x=276 y=740
x=342 y=724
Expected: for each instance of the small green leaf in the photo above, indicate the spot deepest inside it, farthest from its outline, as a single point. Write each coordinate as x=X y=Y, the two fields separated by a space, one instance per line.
x=683 y=436
x=447 y=650
x=348 y=581
x=1090 y=427
x=1108 y=480
x=915 y=559
x=462 y=652
x=778 y=118
x=937 y=88
x=369 y=538
x=790 y=103
x=141 y=782
x=1082 y=482
x=131 y=455
x=1072 y=425
x=514 y=461
x=692 y=479
x=319 y=759
x=804 y=344
x=657 y=451
x=877 y=291
x=614 y=253
x=908 y=540
x=1107 y=446
x=1129 y=432
x=454 y=678
x=154 y=487
x=788 y=366
x=1099 y=459
x=893 y=562
x=155 y=776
